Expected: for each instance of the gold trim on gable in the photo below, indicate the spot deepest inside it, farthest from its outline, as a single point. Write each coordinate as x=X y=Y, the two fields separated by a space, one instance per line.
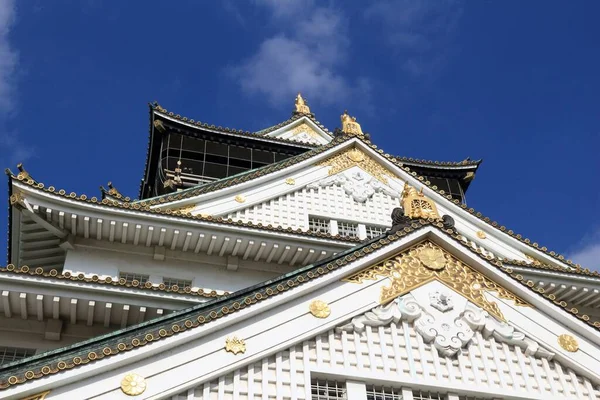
x=304 y=127
x=39 y=396
x=426 y=262
x=356 y=157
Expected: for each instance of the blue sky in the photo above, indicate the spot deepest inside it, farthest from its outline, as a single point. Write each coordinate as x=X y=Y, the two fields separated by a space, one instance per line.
x=514 y=83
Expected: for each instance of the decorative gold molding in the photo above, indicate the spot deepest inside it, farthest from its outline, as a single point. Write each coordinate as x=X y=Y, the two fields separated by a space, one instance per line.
x=304 y=127
x=568 y=342
x=39 y=396
x=235 y=345
x=481 y=235
x=301 y=106
x=133 y=384
x=355 y=157
x=16 y=197
x=290 y=181
x=417 y=205
x=533 y=260
x=319 y=309
x=350 y=126
x=186 y=209
x=426 y=262
x=240 y=199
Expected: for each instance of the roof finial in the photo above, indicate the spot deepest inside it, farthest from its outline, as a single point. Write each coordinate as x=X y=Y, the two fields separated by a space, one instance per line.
x=23 y=174
x=301 y=106
x=349 y=125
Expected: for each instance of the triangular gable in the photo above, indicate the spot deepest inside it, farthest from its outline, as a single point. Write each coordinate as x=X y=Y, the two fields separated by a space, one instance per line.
x=303 y=130
x=179 y=352
x=473 y=224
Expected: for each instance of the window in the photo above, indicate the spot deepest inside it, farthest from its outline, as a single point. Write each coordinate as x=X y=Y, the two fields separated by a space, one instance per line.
x=327 y=390
x=181 y=283
x=130 y=277
x=10 y=354
x=348 y=229
x=383 y=393
x=318 y=225
x=374 y=231
x=419 y=395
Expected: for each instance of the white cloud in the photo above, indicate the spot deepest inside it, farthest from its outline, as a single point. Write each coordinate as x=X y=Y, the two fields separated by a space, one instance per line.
x=587 y=253
x=305 y=56
x=12 y=148
x=8 y=57
x=419 y=31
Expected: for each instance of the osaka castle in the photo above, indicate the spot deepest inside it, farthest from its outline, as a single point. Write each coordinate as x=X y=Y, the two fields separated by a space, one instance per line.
x=295 y=262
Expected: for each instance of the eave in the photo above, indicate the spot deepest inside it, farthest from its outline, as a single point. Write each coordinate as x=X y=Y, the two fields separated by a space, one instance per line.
x=251 y=301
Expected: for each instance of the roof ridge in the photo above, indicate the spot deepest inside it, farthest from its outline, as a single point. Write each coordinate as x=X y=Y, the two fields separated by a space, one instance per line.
x=198 y=124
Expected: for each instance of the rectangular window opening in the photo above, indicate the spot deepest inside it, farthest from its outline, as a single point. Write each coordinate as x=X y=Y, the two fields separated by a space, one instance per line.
x=347 y=229
x=180 y=283
x=327 y=390
x=383 y=393
x=130 y=277
x=319 y=225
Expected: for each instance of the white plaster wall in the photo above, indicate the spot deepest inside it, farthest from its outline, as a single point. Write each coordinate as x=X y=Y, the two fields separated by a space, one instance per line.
x=397 y=353
x=293 y=209
x=205 y=275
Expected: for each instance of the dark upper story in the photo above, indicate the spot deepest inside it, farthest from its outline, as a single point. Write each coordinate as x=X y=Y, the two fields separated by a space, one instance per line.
x=183 y=153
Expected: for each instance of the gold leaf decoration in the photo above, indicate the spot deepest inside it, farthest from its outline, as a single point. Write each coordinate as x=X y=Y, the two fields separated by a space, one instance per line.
x=568 y=342
x=426 y=262
x=417 y=205
x=304 y=127
x=133 y=384
x=235 y=345
x=39 y=396
x=481 y=234
x=356 y=157
x=290 y=181
x=240 y=199
x=319 y=309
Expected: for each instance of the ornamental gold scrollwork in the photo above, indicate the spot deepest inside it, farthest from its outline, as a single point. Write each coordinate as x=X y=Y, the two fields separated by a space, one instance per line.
x=356 y=157
x=417 y=205
x=39 y=396
x=304 y=128
x=426 y=262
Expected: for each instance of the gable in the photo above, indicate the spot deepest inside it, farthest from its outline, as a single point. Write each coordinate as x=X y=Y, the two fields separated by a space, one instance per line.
x=303 y=130
x=185 y=350
x=395 y=356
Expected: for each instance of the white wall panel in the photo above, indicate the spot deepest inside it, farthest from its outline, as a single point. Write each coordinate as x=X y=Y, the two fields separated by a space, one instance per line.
x=398 y=353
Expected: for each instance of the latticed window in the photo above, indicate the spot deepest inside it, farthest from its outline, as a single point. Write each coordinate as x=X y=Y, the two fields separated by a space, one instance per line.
x=327 y=390
x=348 y=229
x=319 y=225
x=383 y=393
x=374 y=231
x=419 y=395
x=130 y=277
x=181 y=283
x=10 y=354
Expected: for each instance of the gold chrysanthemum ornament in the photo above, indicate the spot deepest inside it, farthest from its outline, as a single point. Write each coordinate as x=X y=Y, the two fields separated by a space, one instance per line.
x=432 y=258
x=133 y=384
x=319 y=309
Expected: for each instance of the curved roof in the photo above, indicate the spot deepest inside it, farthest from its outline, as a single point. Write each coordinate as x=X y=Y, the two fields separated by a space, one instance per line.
x=125 y=340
